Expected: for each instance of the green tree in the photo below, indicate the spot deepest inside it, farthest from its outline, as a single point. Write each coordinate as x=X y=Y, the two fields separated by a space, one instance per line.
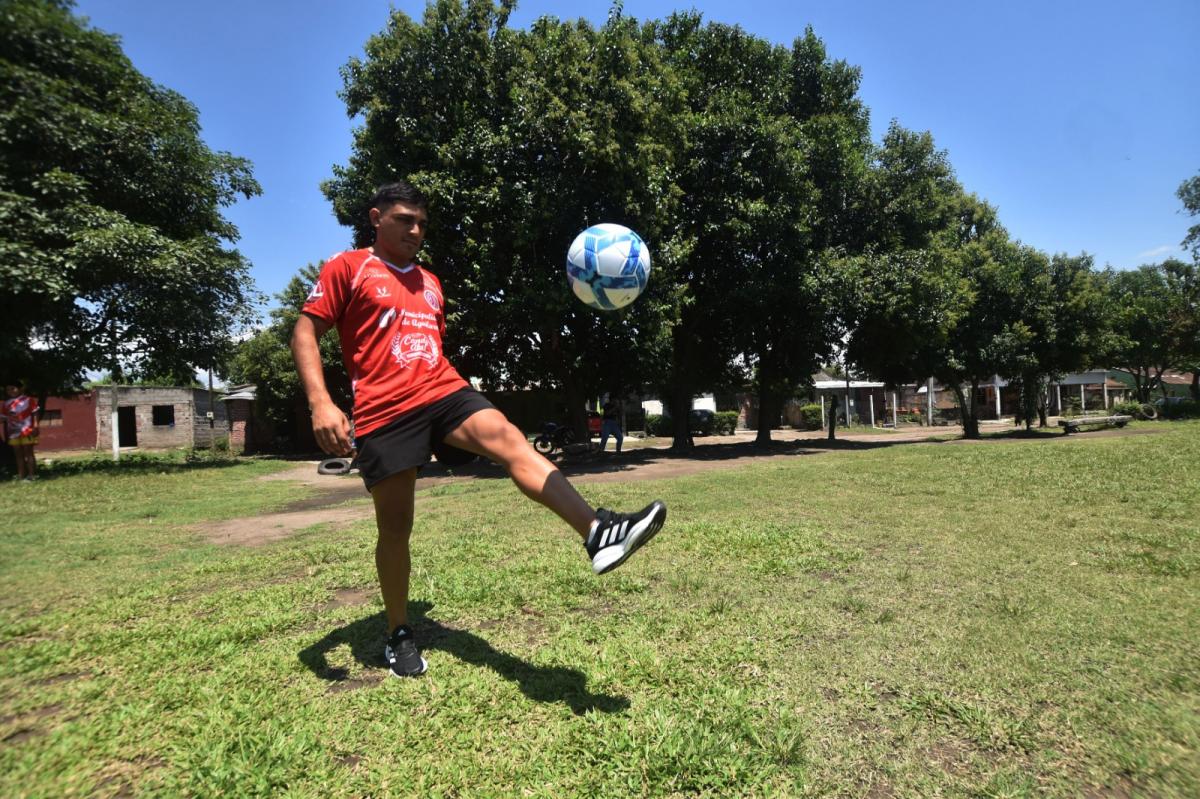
x=1145 y=309
x=913 y=195
x=1183 y=283
x=522 y=139
x=1188 y=329
x=907 y=295
x=265 y=359
x=812 y=195
x=113 y=250
x=1058 y=326
x=1189 y=194
x=771 y=162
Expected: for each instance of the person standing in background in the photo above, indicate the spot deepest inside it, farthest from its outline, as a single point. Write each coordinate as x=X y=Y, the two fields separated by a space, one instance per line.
x=611 y=424
x=20 y=419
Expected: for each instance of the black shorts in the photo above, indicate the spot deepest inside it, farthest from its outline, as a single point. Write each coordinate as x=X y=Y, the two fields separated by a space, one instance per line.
x=408 y=441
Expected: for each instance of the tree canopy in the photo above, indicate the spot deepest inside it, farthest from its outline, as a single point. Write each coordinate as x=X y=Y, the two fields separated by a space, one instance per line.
x=113 y=249
x=781 y=234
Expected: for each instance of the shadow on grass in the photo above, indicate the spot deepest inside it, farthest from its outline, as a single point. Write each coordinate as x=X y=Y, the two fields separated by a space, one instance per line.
x=132 y=464
x=540 y=683
x=610 y=462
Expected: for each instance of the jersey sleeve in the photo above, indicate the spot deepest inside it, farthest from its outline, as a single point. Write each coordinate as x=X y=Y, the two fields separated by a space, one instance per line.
x=328 y=297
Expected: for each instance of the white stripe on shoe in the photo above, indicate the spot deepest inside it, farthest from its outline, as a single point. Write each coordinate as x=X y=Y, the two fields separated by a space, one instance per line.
x=609 y=557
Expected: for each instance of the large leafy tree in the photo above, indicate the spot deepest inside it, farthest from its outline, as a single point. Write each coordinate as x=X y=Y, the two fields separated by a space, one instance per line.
x=1189 y=194
x=730 y=139
x=1065 y=311
x=113 y=251
x=770 y=165
x=522 y=139
x=1148 y=310
x=908 y=292
x=1188 y=327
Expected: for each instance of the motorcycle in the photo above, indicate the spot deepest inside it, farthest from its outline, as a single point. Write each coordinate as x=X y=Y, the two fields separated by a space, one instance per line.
x=553 y=437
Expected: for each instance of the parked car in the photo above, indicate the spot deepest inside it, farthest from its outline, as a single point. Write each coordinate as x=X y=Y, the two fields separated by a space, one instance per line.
x=1164 y=401
x=595 y=423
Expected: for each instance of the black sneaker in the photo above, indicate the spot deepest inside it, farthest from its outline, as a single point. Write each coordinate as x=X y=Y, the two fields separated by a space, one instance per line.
x=402 y=655
x=616 y=536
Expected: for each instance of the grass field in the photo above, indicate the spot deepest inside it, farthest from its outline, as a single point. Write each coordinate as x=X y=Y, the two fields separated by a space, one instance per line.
x=1014 y=617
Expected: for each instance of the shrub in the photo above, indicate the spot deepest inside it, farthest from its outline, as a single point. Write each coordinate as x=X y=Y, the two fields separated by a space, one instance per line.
x=725 y=423
x=1128 y=408
x=657 y=425
x=810 y=416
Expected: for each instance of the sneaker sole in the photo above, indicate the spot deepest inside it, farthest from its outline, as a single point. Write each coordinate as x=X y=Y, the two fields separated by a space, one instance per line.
x=636 y=540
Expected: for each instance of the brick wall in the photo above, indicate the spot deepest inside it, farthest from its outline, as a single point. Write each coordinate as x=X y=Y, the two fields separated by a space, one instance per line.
x=68 y=423
x=239 y=419
x=204 y=432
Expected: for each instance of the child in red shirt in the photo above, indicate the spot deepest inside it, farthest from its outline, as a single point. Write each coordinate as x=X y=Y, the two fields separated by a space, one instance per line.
x=20 y=419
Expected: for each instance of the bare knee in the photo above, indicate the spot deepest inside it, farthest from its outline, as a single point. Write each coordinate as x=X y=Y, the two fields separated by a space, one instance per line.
x=394 y=529
x=393 y=498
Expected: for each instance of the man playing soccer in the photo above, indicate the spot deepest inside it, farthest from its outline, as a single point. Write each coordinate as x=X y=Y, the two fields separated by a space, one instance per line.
x=409 y=401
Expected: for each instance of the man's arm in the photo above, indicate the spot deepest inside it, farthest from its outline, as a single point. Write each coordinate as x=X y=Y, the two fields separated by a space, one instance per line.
x=330 y=425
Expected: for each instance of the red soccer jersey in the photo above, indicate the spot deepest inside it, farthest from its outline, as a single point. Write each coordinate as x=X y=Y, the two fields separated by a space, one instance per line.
x=19 y=415
x=390 y=323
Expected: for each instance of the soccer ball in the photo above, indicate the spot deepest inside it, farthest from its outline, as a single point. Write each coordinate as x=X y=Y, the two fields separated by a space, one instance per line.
x=608 y=266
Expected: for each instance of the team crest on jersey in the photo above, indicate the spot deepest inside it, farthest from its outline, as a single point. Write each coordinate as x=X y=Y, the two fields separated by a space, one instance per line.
x=316 y=293
x=410 y=347
x=431 y=297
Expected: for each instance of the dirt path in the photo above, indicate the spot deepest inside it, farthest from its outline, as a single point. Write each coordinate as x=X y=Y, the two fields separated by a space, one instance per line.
x=342 y=500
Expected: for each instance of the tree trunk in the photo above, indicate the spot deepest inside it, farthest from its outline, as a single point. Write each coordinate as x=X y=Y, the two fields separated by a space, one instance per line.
x=969 y=419
x=767 y=414
x=1030 y=389
x=1043 y=405
x=833 y=405
x=1162 y=384
x=679 y=408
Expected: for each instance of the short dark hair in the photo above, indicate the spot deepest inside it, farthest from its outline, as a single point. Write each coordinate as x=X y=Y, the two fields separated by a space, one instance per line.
x=400 y=191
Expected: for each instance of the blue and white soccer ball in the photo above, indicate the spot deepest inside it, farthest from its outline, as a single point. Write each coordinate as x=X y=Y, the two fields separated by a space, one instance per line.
x=608 y=266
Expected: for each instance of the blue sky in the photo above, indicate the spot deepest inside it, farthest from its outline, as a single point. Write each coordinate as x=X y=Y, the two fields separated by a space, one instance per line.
x=1077 y=119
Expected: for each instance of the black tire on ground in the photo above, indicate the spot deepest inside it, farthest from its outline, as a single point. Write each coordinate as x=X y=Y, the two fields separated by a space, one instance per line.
x=334 y=466
x=543 y=444
x=1148 y=411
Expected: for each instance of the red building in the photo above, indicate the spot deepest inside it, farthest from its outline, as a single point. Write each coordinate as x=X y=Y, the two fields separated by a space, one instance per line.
x=68 y=423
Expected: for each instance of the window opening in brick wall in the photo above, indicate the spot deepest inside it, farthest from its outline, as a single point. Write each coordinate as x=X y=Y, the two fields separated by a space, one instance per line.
x=51 y=419
x=163 y=415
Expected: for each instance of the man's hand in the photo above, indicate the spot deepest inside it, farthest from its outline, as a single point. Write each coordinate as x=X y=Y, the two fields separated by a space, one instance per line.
x=332 y=430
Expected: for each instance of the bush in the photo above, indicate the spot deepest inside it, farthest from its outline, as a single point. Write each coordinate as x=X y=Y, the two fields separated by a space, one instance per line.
x=810 y=416
x=725 y=423
x=1128 y=408
x=657 y=425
